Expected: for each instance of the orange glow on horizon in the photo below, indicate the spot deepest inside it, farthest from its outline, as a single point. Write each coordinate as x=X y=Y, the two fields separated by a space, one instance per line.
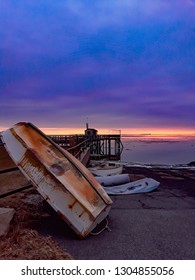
x=133 y=131
x=160 y=132
x=153 y=132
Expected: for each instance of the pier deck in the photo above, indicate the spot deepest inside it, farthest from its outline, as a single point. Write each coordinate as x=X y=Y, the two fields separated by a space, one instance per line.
x=101 y=146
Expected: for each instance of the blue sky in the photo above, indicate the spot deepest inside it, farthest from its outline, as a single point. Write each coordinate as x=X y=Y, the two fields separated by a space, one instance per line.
x=119 y=64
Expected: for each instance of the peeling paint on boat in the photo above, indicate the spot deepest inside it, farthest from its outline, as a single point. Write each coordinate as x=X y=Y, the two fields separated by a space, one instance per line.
x=59 y=177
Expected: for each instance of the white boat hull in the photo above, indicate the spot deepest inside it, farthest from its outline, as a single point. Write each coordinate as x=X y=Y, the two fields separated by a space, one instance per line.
x=113 y=180
x=59 y=177
x=107 y=170
x=140 y=186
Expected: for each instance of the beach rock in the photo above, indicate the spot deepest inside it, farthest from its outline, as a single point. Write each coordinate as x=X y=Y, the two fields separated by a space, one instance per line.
x=6 y=215
x=192 y=163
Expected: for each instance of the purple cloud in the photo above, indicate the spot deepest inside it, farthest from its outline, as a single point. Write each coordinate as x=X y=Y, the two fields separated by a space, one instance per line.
x=119 y=63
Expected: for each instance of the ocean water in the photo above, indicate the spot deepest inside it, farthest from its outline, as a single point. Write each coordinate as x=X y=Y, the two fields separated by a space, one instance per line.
x=153 y=150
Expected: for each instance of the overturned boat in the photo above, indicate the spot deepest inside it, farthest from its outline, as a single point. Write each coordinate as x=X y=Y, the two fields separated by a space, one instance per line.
x=59 y=177
x=124 y=184
x=113 y=180
x=139 y=186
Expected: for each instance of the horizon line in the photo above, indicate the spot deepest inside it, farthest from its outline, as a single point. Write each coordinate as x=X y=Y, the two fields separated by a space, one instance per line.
x=125 y=132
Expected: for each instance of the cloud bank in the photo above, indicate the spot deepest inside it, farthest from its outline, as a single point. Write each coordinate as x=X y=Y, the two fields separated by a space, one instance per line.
x=121 y=64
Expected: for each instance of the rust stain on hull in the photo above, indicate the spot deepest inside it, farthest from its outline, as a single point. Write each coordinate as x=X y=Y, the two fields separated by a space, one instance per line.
x=66 y=184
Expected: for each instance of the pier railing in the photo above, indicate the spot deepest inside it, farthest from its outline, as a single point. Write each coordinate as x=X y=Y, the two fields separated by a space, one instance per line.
x=100 y=146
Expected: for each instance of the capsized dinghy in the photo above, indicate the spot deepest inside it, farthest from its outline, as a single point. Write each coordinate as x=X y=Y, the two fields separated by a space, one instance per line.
x=59 y=177
x=140 y=186
x=113 y=180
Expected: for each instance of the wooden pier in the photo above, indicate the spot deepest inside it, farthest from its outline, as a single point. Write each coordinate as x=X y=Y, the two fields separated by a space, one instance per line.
x=99 y=146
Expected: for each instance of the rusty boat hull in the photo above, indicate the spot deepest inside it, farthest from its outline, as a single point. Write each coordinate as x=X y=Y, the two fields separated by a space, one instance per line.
x=60 y=178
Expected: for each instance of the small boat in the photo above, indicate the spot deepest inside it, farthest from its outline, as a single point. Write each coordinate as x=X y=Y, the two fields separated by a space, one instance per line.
x=140 y=186
x=113 y=180
x=64 y=182
x=106 y=169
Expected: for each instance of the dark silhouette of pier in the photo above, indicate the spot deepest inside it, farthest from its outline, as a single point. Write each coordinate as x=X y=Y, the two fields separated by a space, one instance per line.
x=91 y=145
x=97 y=146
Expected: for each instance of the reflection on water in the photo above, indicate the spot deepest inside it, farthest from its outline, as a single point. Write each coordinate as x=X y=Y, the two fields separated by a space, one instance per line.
x=151 y=150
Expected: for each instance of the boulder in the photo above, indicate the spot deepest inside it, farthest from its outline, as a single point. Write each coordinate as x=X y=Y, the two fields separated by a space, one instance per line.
x=6 y=215
x=192 y=163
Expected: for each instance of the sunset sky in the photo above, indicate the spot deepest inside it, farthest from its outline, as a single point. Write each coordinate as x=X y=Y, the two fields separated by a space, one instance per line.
x=120 y=64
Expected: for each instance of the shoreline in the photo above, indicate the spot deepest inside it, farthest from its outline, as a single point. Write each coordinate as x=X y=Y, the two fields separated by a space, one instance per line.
x=190 y=166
